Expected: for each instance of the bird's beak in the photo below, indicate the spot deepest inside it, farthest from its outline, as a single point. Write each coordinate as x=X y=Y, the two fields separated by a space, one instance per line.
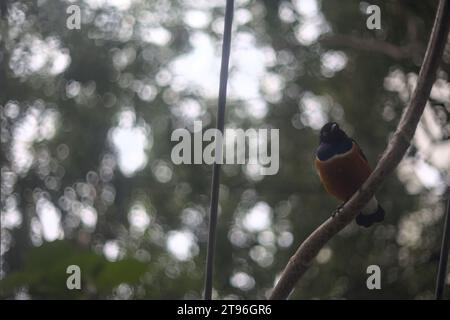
x=334 y=128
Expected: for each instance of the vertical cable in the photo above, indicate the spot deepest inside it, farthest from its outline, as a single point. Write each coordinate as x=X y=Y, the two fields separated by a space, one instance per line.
x=216 y=169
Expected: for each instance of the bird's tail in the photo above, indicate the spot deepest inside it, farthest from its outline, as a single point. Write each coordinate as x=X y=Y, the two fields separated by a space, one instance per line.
x=372 y=213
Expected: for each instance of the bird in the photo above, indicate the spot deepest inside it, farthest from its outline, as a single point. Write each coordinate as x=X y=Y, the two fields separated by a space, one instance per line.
x=342 y=168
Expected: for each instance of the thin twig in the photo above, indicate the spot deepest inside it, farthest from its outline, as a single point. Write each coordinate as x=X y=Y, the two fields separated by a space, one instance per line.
x=302 y=259
x=443 y=257
x=216 y=169
x=369 y=44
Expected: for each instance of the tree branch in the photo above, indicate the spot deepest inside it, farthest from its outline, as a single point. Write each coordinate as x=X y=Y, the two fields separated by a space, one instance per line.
x=302 y=259
x=372 y=45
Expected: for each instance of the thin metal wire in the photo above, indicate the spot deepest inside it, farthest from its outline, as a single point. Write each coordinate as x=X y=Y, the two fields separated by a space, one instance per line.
x=216 y=169
x=442 y=270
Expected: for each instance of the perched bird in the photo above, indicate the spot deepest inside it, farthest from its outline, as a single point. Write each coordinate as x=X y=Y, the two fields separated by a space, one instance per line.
x=343 y=168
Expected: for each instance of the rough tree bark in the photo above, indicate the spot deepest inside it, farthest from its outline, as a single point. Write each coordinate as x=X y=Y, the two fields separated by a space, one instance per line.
x=399 y=143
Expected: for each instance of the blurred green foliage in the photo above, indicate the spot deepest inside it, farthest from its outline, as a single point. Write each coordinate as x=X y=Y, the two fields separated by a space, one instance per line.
x=67 y=95
x=44 y=272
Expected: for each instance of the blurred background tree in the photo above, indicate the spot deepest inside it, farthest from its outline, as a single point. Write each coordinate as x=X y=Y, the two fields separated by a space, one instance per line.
x=86 y=174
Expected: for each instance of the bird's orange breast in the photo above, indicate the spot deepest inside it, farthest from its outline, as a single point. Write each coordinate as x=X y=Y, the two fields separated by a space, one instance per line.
x=342 y=175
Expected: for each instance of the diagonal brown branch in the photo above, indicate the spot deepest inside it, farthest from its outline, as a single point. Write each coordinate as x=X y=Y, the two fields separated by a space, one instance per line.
x=399 y=143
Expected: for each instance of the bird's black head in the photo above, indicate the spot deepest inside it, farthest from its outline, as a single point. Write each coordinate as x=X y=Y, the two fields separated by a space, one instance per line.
x=333 y=141
x=331 y=133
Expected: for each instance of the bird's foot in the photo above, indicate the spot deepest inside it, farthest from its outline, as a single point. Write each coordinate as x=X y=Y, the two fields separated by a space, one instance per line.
x=338 y=209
